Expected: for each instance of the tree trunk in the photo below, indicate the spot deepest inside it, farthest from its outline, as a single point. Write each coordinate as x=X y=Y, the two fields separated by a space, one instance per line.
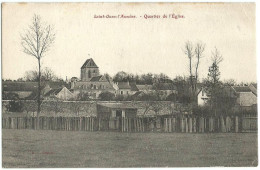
x=39 y=95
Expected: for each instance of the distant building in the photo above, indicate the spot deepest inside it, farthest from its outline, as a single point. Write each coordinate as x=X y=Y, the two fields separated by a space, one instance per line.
x=89 y=70
x=253 y=88
x=125 y=88
x=91 y=81
x=227 y=92
x=145 y=88
x=29 y=90
x=59 y=93
x=202 y=97
x=165 y=89
x=245 y=96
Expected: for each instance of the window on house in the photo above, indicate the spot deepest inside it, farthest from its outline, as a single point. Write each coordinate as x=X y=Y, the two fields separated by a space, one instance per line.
x=95 y=86
x=121 y=92
x=94 y=71
x=91 y=86
x=89 y=74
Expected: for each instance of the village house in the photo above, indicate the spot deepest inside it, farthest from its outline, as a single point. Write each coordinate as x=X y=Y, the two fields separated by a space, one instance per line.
x=245 y=96
x=125 y=88
x=91 y=82
x=253 y=88
x=202 y=97
x=60 y=93
x=165 y=89
x=29 y=90
x=147 y=88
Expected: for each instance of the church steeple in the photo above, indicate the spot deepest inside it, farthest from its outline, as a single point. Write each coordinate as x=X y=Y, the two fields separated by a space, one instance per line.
x=88 y=70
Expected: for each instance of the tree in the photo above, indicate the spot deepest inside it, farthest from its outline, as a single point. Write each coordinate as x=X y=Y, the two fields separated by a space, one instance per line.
x=36 y=42
x=106 y=96
x=229 y=82
x=120 y=76
x=82 y=96
x=15 y=105
x=192 y=52
x=47 y=74
x=213 y=84
x=29 y=106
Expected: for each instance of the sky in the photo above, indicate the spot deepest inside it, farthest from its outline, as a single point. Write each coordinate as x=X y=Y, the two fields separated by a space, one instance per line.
x=135 y=45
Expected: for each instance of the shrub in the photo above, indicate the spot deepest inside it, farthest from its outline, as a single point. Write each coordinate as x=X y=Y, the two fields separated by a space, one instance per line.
x=106 y=96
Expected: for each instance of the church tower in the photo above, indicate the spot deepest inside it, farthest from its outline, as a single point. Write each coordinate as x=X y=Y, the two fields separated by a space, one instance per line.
x=88 y=70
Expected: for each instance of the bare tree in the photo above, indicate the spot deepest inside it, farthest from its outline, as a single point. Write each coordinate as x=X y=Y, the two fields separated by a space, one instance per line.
x=47 y=74
x=216 y=57
x=36 y=42
x=192 y=52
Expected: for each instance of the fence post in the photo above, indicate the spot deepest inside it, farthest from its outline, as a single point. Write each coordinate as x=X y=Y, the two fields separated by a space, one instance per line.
x=190 y=124
x=222 y=124
x=201 y=125
x=236 y=124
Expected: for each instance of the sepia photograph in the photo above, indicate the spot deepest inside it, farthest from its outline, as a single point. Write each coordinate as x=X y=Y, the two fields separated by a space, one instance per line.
x=129 y=85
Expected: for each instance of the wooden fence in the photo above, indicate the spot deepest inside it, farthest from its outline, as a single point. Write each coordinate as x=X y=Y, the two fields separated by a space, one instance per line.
x=181 y=124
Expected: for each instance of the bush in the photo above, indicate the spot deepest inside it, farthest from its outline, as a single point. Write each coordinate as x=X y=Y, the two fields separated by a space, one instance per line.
x=171 y=97
x=15 y=106
x=106 y=96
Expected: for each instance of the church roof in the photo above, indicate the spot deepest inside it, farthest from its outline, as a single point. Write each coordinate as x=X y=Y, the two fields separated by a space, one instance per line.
x=89 y=63
x=97 y=78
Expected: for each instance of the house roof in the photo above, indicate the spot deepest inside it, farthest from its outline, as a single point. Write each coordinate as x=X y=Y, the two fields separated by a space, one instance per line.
x=165 y=86
x=127 y=85
x=89 y=63
x=239 y=89
x=53 y=92
x=118 y=105
x=228 y=91
x=133 y=86
x=255 y=85
x=19 y=86
x=144 y=87
x=56 y=84
x=97 y=78
x=123 y=85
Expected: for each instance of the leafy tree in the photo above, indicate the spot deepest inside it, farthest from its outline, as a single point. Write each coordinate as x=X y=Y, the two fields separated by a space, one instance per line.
x=213 y=84
x=106 y=96
x=82 y=96
x=15 y=105
x=171 y=97
x=119 y=98
x=120 y=76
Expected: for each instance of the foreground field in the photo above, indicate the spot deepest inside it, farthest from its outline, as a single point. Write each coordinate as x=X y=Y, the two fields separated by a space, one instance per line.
x=29 y=148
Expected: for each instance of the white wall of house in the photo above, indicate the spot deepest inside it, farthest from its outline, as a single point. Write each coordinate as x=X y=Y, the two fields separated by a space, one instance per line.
x=202 y=98
x=65 y=94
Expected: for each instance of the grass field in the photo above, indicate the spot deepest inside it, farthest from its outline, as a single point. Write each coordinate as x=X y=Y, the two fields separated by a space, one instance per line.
x=29 y=148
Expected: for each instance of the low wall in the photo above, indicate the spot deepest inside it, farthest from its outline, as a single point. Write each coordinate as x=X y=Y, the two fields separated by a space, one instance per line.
x=84 y=108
